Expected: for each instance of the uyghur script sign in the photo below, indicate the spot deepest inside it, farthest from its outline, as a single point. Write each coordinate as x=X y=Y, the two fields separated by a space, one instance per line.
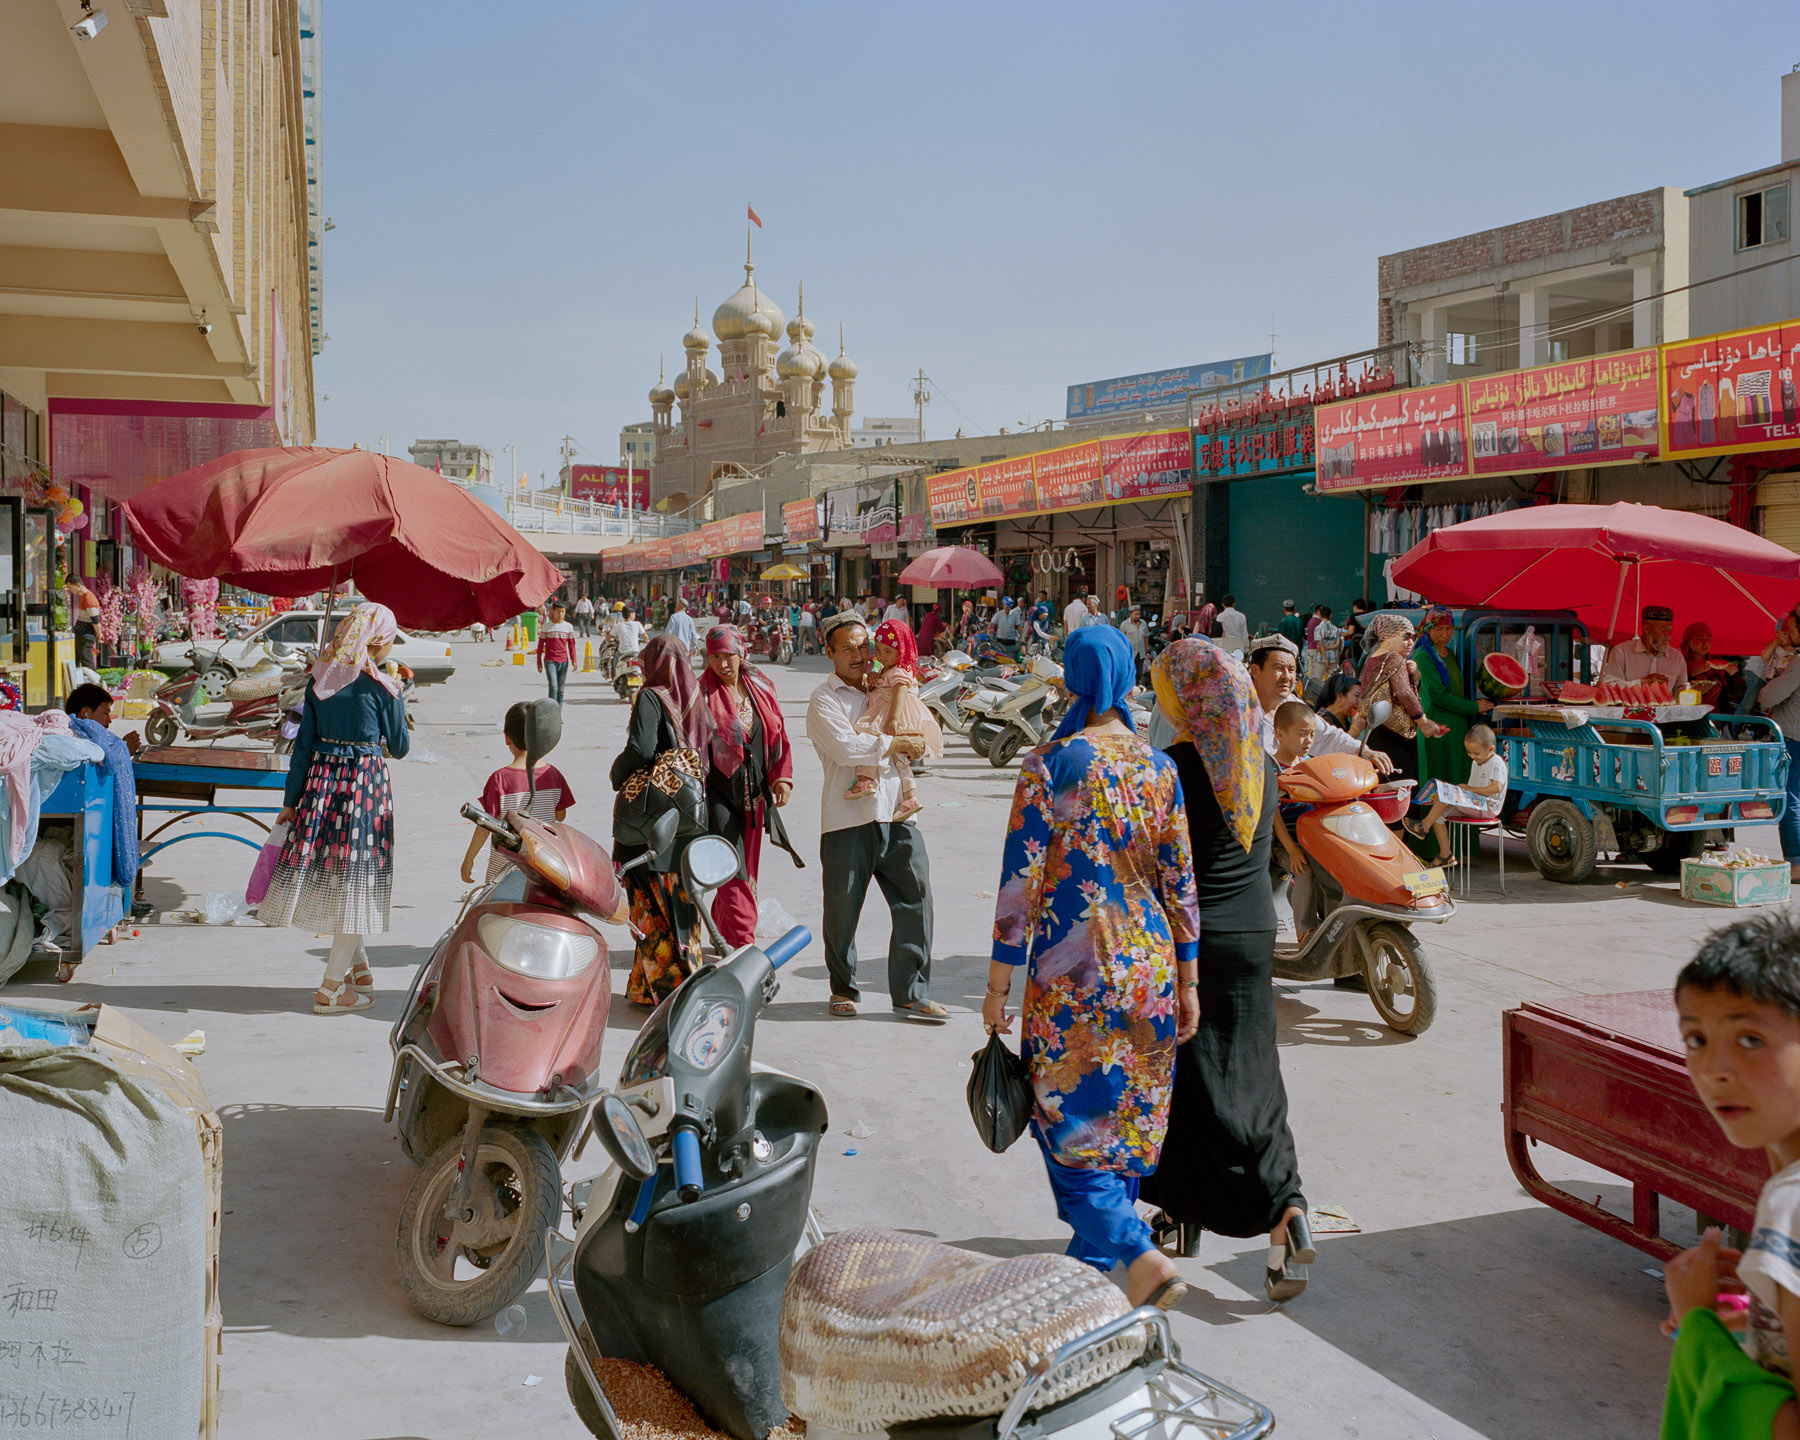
x=1071 y=477
x=1733 y=392
x=1401 y=437
x=1159 y=389
x=1600 y=411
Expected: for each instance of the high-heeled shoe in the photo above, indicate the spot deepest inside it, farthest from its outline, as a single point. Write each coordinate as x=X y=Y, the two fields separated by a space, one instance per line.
x=1286 y=1275
x=1177 y=1238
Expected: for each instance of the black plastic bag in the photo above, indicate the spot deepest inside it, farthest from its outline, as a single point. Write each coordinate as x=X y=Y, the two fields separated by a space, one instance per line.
x=1000 y=1098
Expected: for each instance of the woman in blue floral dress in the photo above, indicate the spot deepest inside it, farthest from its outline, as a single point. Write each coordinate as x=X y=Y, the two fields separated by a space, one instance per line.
x=1097 y=898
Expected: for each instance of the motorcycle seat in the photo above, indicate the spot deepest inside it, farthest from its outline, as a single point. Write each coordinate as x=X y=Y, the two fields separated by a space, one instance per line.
x=879 y=1328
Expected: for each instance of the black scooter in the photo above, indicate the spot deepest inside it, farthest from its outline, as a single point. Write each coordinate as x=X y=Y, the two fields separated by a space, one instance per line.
x=684 y=1243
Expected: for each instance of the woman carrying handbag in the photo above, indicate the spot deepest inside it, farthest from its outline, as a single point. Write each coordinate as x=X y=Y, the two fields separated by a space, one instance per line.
x=661 y=758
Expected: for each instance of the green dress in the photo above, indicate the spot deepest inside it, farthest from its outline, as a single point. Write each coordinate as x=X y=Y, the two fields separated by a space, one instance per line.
x=1443 y=758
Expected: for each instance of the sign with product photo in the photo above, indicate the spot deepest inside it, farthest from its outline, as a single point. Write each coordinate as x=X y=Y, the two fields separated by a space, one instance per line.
x=1598 y=411
x=1730 y=393
x=1401 y=437
x=1113 y=471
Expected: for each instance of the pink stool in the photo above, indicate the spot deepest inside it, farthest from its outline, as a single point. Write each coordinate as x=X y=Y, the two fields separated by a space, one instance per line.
x=1465 y=845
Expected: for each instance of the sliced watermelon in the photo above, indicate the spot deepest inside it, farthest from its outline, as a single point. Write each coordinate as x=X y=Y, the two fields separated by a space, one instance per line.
x=1501 y=677
x=1574 y=692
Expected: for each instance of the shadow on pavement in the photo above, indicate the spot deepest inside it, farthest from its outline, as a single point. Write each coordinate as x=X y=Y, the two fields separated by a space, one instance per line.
x=1417 y=1306
x=1298 y=1023
x=199 y=999
x=313 y=1195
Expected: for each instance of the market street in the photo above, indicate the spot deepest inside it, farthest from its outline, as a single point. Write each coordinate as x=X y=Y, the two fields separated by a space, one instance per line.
x=1462 y=1309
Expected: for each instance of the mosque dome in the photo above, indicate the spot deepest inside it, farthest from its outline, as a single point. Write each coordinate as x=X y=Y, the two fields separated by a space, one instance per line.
x=661 y=394
x=799 y=362
x=728 y=320
x=681 y=387
x=842 y=368
x=696 y=340
x=757 y=322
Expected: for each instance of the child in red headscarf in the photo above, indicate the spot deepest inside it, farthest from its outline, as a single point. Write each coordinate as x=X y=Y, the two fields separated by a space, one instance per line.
x=895 y=709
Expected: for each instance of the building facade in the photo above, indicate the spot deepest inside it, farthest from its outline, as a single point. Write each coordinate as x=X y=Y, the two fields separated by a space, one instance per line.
x=454 y=460
x=879 y=431
x=758 y=405
x=637 y=445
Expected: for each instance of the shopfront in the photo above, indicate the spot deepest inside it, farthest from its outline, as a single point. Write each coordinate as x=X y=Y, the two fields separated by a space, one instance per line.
x=1096 y=516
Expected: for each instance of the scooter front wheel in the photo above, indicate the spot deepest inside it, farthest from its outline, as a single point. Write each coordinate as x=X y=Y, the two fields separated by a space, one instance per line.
x=461 y=1270
x=160 y=730
x=1400 y=983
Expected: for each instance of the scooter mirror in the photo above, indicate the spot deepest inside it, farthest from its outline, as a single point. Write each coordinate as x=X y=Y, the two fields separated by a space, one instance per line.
x=707 y=863
x=623 y=1138
x=543 y=729
x=1378 y=713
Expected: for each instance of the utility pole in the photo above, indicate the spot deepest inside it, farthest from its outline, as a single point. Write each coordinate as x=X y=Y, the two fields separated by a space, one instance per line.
x=567 y=451
x=513 y=450
x=921 y=398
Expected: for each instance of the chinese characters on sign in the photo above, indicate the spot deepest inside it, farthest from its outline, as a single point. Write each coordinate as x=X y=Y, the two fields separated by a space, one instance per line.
x=730 y=536
x=1587 y=412
x=1267 y=449
x=800 y=521
x=1732 y=392
x=1399 y=438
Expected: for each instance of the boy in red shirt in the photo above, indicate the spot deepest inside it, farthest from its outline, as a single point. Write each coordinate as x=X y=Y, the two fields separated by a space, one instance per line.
x=556 y=649
x=508 y=791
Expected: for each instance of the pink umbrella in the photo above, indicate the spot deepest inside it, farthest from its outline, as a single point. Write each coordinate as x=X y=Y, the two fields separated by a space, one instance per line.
x=1606 y=562
x=951 y=567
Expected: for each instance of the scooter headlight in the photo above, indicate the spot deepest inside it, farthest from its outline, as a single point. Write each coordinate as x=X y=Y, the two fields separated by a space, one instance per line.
x=539 y=951
x=1359 y=825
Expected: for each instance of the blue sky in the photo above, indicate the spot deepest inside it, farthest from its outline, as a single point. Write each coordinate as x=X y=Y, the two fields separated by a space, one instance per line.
x=529 y=197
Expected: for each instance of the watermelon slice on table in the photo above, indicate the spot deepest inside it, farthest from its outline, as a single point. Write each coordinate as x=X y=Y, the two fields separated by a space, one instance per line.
x=1501 y=677
x=1573 y=692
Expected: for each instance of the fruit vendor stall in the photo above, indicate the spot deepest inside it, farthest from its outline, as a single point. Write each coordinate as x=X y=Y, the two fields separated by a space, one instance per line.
x=1597 y=768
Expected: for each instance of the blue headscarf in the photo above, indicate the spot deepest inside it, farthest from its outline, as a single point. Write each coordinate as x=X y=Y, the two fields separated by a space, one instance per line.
x=1099 y=671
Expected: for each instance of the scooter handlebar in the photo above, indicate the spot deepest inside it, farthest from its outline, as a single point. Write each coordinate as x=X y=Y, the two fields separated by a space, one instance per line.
x=688 y=1181
x=788 y=946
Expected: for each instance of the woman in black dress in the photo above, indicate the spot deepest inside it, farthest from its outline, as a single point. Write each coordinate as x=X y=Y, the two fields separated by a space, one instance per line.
x=1228 y=1164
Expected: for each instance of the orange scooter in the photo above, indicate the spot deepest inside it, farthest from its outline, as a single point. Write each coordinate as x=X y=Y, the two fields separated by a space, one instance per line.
x=1367 y=890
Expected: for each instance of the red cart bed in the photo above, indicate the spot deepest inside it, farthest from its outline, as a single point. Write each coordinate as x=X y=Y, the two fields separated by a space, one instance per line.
x=1602 y=1077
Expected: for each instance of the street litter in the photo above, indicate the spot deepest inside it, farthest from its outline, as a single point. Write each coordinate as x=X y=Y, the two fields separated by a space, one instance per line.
x=192 y=1044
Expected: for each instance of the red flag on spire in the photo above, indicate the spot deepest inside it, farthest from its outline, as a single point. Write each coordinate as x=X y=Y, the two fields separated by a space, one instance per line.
x=753 y=217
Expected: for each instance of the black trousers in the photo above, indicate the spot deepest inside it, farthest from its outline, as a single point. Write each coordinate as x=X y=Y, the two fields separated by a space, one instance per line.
x=894 y=857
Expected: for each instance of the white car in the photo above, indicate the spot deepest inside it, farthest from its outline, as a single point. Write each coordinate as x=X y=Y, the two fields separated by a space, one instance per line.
x=283 y=634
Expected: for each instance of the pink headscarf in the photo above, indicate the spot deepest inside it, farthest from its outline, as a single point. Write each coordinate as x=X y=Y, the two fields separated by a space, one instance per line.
x=351 y=653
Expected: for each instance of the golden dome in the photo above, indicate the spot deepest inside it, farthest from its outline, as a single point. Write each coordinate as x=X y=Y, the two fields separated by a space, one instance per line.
x=842 y=368
x=681 y=387
x=696 y=339
x=800 y=329
x=660 y=393
x=728 y=319
x=799 y=362
x=757 y=322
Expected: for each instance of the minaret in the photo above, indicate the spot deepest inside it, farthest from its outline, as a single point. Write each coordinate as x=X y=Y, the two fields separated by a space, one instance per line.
x=662 y=400
x=843 y=388
x=801 y=370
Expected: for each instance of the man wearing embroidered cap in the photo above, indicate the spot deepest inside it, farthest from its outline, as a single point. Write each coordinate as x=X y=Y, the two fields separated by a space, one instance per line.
x=1650 y=656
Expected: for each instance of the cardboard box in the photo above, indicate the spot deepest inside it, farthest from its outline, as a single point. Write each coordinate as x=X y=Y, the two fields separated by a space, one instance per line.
x=1737 y=886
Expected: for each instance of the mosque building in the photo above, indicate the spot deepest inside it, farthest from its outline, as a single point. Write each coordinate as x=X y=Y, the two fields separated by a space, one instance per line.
x=759 y=404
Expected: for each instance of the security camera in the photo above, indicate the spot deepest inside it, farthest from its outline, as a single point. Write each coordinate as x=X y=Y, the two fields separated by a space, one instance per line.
x=91 y=23
x=204 y=327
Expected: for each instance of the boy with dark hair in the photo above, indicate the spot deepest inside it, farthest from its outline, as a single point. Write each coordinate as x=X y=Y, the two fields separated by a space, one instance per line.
x=1738 y=1002
x=556 y=649
x=507 y=792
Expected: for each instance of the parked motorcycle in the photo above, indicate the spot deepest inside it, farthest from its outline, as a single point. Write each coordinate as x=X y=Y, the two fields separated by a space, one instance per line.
x=944 y=693
x=1006 y=721
x=494 y=1064
x=1368 y=890
x=262 y=704
x=771 y=636
x=685 y=1241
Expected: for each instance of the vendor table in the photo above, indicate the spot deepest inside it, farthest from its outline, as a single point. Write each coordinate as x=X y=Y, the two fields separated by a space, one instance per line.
x=84 y=799
x=1602 y=1077
x=192 y=776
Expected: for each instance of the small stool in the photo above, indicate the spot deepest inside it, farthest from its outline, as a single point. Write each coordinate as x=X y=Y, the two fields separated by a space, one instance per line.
x=1465 y=844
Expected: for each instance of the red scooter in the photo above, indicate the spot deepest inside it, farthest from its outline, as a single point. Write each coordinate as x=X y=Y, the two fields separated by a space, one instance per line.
x=495 y=1055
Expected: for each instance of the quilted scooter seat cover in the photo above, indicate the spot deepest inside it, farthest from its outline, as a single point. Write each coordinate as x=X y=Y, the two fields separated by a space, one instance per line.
x=879 y=1328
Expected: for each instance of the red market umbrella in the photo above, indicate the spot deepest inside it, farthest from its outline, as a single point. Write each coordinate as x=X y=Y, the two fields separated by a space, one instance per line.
x=1606 y=562
x=951 y=567
x=292 y=521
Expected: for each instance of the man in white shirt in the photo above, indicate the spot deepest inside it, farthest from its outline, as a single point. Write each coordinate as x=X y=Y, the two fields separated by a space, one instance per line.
x=1649 y=656
x=681 y=625
x=1137 y=634
x=628 y=632
x=1095 y=615
x=584 y=615
x=1273 y=670
x=898 y=611
x=1075 y=615
x=859 y=840
x=1234 y=632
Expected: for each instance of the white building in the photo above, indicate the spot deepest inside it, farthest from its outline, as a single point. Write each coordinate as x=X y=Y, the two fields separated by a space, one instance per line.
x=454 y=460
x=637 y=444
x=879 y=431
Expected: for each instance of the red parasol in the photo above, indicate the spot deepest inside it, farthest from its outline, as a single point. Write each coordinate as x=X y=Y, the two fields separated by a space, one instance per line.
x=1606 y=562
x=292 y=521
x=951 y=567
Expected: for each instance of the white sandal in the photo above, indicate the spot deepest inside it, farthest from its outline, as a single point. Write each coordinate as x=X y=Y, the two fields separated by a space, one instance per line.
x=362 y=977
x=335 y=1005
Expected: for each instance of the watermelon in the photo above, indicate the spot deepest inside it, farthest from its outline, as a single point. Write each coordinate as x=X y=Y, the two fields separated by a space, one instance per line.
x=1573 y=692
x=1501 y=677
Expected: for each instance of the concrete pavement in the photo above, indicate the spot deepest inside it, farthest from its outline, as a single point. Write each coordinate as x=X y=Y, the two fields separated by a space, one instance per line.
x=1462 y=1309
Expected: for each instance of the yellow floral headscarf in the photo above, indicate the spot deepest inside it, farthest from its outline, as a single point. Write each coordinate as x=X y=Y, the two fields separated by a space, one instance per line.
x=360 y=633
x=1208 y=698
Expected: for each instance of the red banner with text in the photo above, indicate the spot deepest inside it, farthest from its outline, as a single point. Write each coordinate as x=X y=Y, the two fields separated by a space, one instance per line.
x=1402 y=437
x=1600 y=411
x=1071 y=477
x=1733 y=392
